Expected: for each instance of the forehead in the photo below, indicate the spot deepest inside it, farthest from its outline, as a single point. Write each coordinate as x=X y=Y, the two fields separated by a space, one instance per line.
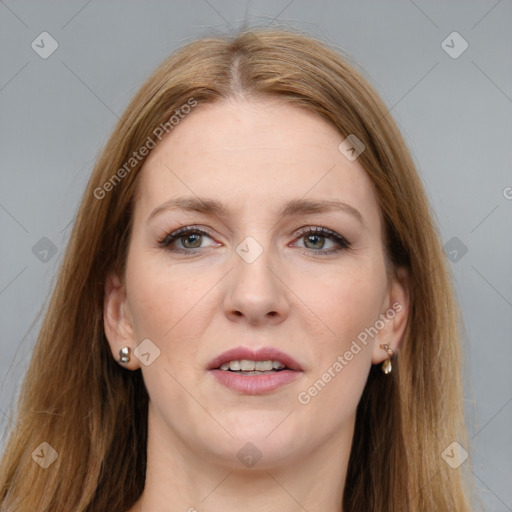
x=254 y=154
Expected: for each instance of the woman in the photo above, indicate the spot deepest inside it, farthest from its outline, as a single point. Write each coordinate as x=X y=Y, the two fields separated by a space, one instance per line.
x=254 y=306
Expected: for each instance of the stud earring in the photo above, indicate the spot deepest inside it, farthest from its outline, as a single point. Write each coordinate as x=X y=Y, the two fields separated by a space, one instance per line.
x=386 y=365
x=124 y=355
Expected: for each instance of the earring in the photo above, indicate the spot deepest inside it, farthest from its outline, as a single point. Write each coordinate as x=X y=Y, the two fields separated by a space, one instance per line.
x=124 y=355
x=386 y=365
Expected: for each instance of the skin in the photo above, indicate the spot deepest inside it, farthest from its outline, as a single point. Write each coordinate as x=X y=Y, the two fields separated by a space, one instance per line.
x=253 y=155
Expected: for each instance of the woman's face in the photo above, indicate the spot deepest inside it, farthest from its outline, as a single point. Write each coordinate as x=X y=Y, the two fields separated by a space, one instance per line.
x=250 y=179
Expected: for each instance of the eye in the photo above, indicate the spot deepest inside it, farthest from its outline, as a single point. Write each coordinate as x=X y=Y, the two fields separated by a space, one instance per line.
x=189 y=237
x=314 y=240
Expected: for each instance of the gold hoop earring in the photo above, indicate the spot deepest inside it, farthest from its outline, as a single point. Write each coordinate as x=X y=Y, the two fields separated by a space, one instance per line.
x=386 y=365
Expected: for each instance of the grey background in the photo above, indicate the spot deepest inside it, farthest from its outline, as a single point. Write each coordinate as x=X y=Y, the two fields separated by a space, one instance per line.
x=455 y=114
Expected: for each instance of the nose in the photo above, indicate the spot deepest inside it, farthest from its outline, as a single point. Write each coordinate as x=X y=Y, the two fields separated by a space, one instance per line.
x=256 y=291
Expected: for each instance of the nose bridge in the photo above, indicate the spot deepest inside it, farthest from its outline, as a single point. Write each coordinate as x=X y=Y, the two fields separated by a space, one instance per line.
x=255 y=291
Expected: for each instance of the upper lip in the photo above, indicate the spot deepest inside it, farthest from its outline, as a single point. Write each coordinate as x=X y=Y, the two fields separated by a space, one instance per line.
x=251 y=354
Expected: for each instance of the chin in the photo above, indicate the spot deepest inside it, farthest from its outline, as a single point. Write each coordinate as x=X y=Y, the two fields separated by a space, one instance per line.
x=269 y=441
x=254 y=424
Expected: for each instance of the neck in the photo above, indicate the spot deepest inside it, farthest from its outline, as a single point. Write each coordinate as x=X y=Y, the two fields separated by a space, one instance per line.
x=180 y=478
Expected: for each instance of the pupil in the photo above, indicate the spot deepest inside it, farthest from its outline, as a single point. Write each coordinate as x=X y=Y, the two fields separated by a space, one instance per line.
x=317 y=237
x=188 y=237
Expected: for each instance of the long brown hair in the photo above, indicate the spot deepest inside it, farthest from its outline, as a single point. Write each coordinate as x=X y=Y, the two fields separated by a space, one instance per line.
x=93 y=413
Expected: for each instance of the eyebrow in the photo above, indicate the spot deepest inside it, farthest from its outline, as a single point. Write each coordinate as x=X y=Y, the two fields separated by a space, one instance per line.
x=294 y=207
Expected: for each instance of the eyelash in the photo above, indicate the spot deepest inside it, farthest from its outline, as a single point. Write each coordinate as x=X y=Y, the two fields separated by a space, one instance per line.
x=343 y=243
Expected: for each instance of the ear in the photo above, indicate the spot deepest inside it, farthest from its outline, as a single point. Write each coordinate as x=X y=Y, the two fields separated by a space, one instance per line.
x=394 y=314
x=117 y=321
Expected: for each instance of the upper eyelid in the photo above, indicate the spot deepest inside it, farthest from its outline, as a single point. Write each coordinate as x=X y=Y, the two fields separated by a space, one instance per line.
x=322 y=231
x=298 y=232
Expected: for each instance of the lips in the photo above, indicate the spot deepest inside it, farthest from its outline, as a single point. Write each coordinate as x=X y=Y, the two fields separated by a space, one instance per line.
x=262 y=354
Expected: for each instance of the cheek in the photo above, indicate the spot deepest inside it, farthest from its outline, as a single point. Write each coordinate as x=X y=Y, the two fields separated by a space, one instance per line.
x=168 y=305
x=347 y=302
x=344 y=303
x=161 y=296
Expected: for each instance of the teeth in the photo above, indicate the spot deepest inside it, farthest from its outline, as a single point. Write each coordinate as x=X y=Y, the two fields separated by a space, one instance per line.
x=234 y=365
x=263 y=366
x=256 y=373
x=250 y=366
x=246 y=366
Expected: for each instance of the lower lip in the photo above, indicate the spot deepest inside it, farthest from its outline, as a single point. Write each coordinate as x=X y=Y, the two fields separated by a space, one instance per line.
x=255 y=384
